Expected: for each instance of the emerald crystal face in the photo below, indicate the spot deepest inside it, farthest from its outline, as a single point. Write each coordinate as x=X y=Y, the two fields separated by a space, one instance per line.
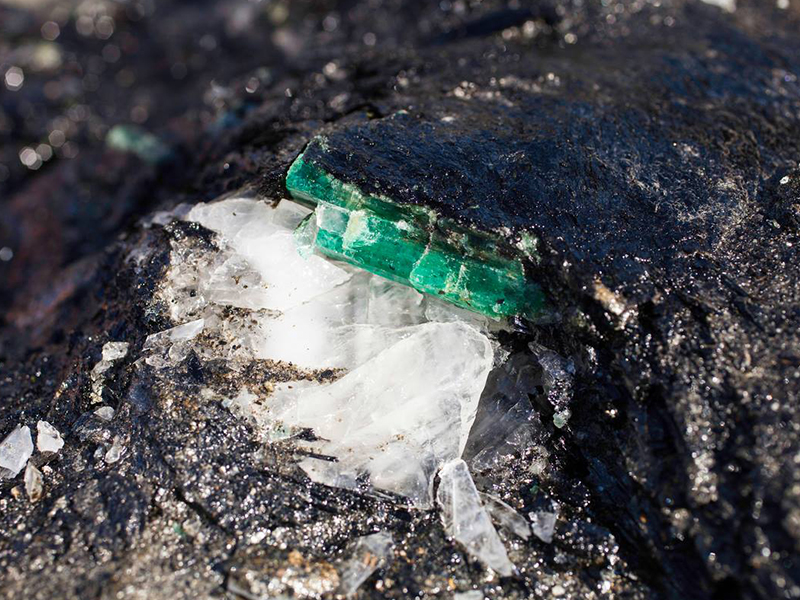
x=412 y=245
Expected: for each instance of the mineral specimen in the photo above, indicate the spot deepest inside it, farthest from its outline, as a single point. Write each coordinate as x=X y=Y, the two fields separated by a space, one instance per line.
x=408 y=245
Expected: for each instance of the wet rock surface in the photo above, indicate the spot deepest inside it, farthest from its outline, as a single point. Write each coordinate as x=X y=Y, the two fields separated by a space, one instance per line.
x=649 y=427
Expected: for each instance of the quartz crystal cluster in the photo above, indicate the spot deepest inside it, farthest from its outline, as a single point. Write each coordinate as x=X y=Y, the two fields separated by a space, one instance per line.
x=376 y=384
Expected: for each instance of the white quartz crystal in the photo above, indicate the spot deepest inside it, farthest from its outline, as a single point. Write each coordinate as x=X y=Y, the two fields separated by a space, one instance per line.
x=15 y=451
x=115 y=452
x=106 y=413
x=48 y=439
x=371 y=553
x=466 y=520
x=403 y=371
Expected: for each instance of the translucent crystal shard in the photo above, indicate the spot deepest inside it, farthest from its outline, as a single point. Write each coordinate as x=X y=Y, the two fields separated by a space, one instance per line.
x=15 y=451
x=467 y=520
x=33 y=483
x=413 y=245
x=371 y=553
x=48 y=439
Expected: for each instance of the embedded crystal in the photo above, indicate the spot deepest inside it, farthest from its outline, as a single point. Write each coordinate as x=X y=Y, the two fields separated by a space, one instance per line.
x=543 y=524
x=506 y=516
x=112 y=351
x=410 y=244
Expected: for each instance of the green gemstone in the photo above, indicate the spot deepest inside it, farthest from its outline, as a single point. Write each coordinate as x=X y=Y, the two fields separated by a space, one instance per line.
x=402 y=243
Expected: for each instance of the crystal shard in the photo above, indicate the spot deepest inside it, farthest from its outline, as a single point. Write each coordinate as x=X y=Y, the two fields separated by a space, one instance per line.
x=48 y=439
x=15 y=451
x=371 y=553
x=506 y=516
x=411 y=245
x=544 y=525
x=33 y=483
x=466 y=520
x=399 y=415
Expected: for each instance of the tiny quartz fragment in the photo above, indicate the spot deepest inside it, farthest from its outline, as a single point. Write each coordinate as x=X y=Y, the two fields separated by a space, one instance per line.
x=467 y=520
x=106 y=413
x=15 y=451
x=116 y=450
x=48 y=439
x=544 y=525
x=506 y=516
x=33 y=483
x=371 y=553
x=112 y=351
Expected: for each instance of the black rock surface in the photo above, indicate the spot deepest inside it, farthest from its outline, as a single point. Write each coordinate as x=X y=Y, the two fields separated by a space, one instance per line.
x=653 y=150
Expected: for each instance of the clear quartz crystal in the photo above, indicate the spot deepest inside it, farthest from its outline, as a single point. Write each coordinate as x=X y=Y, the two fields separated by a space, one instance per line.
x=406 y=370
x=15 y=451
x=466 y=520
x=48 y=439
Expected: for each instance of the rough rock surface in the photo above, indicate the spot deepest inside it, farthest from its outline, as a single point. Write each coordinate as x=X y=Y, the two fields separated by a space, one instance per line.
x=651 y=147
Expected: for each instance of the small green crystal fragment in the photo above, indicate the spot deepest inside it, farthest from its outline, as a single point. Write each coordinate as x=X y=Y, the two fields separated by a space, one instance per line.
x=129 y=138
x=403 y=243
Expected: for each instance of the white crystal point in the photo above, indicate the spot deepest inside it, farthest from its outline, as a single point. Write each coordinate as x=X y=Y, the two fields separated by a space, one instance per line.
x=106 y=413
x=371 y=553
x=171 y=346
x=466 y=520
x=15 y=451
x=112 y=351
x=48 y=439
x=33 y=483
x=398 y=416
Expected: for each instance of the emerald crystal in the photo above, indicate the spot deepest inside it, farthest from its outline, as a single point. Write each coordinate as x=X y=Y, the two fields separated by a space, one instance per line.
x=406 y=243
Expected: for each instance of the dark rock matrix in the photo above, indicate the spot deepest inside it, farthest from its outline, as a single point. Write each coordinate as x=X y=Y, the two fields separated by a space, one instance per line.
x=651 y=149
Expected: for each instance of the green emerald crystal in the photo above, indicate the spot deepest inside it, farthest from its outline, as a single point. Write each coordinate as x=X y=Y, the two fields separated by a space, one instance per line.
x=405 y=243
